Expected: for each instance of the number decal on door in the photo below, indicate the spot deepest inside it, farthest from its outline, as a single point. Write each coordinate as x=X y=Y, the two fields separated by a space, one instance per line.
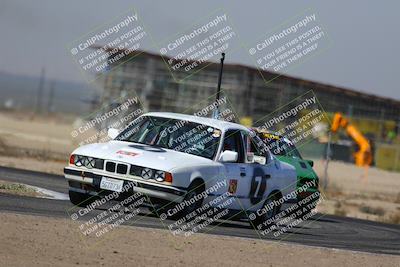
x=257 y=182
x=258 y=185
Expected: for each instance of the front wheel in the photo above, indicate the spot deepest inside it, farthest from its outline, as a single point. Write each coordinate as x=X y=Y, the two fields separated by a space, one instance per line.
x=193 y=196
x=192 y=201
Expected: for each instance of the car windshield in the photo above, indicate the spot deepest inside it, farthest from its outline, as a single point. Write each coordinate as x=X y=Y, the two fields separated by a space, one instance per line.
x=183 y=136
x=278 y=146
x=290 y=149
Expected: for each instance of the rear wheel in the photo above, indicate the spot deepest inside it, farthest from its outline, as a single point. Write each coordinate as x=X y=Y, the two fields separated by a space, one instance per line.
x=267 y=213
x=80 y=199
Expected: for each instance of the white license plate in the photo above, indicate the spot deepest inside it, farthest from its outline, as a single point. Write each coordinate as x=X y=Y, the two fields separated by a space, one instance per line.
x=111 y=184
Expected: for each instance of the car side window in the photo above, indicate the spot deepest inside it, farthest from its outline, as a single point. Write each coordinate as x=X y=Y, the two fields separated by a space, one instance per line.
x=233 y=142
x=255 y=145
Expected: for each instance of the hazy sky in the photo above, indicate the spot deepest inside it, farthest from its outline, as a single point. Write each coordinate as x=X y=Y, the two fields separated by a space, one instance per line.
x=363 y=56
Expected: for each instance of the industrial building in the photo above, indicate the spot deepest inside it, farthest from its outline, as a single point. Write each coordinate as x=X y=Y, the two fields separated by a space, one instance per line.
x=148 y=75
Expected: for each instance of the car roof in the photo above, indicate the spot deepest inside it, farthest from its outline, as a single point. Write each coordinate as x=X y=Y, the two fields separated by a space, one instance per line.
x=220 y=124
x=271 y=134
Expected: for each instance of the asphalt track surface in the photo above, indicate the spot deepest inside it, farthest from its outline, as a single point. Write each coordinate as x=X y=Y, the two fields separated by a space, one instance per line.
x=320 y=230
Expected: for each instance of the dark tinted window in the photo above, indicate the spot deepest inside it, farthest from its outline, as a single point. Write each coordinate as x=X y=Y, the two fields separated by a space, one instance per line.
x=233 y=142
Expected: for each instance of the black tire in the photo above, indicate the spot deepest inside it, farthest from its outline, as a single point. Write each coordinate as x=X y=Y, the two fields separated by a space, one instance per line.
x=265 y=220
x=80 y=199
x=195 y=189
x=161 y=210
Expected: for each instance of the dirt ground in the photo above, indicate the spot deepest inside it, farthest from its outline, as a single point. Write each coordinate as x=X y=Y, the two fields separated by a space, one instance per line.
x=20 y=130
x=43 y=143
x=40 y=241
x=371 y=194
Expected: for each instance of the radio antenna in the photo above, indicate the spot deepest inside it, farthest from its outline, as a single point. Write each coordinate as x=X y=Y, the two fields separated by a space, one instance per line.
x=216 y=111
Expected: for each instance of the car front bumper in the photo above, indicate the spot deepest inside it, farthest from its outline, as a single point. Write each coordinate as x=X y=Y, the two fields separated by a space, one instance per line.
x=88 y=182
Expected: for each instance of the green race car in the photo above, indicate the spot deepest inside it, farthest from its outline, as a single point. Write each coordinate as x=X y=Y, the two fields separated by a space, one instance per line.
x=286 y=151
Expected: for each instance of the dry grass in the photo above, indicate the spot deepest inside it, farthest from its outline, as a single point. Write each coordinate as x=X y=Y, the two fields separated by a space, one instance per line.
x=379 y=211
x=18 y=189
x=3 y=146
x=393 y=218
x=333 y=191
x=340 y=212
x=397 y=200
x=39 y=154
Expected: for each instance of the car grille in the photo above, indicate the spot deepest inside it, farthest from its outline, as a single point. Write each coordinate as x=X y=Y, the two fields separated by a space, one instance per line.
x=123 y=168
x=110 y=166
x=114 y=167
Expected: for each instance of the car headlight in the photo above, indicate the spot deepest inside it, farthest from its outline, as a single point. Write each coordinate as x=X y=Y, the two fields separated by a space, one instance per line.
x=159 y=176
x=89 y=162
x=147 y=173
x=78 y=160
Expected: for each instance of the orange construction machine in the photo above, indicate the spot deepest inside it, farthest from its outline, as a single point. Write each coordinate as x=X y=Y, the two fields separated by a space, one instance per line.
x=363 y=157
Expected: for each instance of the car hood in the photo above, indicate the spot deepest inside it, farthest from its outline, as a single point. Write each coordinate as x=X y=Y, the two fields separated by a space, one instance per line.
x=142 y=155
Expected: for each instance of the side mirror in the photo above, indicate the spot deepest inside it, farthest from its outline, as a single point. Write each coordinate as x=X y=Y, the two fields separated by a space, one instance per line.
x=310 y=162
x=228 y=156
x=250 y=157
x=260 y=160
x=112 y=133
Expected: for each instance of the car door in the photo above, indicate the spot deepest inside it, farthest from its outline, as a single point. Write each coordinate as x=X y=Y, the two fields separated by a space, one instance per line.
x=237 y=173
x=261 y=167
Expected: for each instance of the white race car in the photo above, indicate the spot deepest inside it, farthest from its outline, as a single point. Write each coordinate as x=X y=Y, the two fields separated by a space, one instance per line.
x=172 y=158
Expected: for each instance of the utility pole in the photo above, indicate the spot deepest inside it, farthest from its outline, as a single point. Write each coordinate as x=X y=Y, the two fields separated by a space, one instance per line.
x=327 y=158
x=40 y=92
x=51 y=97
x=350 y=111
x=381 y=125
